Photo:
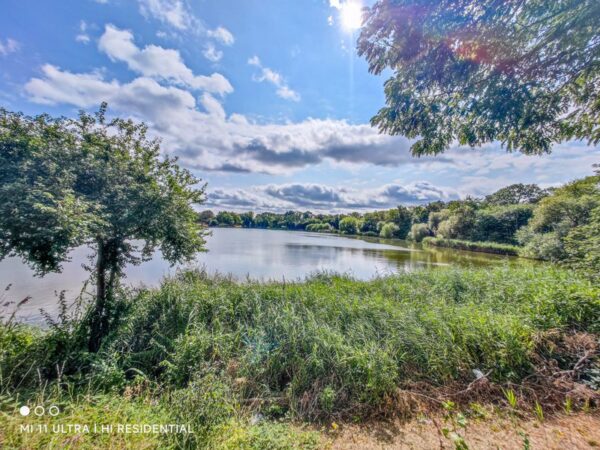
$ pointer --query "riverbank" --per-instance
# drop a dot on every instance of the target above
(268, 364)
(481, 247)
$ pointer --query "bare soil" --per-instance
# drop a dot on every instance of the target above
(564, 432)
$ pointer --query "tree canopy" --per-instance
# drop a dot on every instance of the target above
(516, 194)
(522, 72)
(89, 181)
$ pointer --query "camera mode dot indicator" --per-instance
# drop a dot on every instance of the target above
(24, 410)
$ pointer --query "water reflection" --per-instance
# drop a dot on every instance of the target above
(258, 254)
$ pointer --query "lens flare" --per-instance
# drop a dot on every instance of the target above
(351, 15)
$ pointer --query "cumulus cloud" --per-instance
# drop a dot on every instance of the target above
(222, 35)
(186, 110)
(320, 197)
(141, 96)
(171, 12)
(205, 138)
(57, 86)
(211, 53)
(274, 78)
(157, 62)
(8, 46)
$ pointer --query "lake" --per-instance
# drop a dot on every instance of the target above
(254, 253)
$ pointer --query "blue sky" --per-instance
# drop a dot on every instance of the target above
(266, 100)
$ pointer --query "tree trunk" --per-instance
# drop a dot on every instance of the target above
(97, 319)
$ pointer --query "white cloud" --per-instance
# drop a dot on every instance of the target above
(288, 94)
(83, 37)
(82, 90)
(8, 46)
(321, 197)
(171, 12)
(211, 141)
(275, 78)
(221, 34)
(211, 53)
(157, 62)
(212, 106)
(205, 138)
(335, 4)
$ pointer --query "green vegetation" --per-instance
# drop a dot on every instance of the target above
(485, 247)
(349, 225)
(522, 73)
(215, 353)
(67, 183)
(558, 225)
(388, 230)
(564, 226)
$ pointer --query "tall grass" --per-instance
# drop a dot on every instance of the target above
(483, 247)
(329, 345)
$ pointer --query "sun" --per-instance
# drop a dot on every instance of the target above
(351, 15)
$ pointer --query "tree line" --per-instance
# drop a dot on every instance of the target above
(556, 224)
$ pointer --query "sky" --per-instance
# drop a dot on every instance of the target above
(265, 100)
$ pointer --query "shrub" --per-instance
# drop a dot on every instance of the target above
(419, 231)
(370, 233)
(500, 223)
(349, 225)
(484, 247)
(320, 227)
(388, 230)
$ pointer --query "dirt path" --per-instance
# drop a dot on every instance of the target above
(580, 431)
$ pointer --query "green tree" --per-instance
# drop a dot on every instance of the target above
(516, 194)
(500, 223)
(420, 214)
(247, 219)
(525, 73)
(460, 222)
(388, 230)
(369, 223)
(568, 209)
(419, 231)
(206, 217)
(349, 225)
(228, 219)
(403, 221)
(582, 246)
(66, 183)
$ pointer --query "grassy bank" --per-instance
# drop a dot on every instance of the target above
(236, 359)
(483, 247)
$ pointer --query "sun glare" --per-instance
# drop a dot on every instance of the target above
(351, 15)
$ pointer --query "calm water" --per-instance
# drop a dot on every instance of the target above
(258, 254)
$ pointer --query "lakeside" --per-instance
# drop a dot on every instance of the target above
(249, 363)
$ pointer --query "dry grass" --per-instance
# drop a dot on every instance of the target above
(581, 431)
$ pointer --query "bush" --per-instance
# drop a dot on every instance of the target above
(582, 246)
(563, 226)
(388, 230)
(370, 234)
(349, 225)
(320, 227)
(419, 231)
(499, 224)
(484, 247)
